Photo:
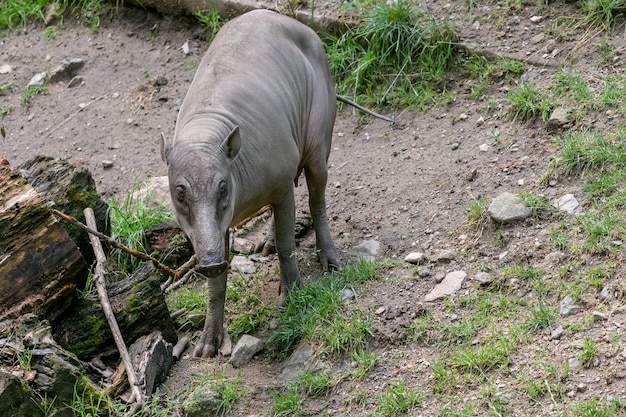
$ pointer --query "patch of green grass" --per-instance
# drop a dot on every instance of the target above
(227, 390)
(15, 13)
(51, 32)
(246, 309)
(588, 351)
(397, 399)
(487, 72)
(584, 150)
(538, 389)
(602, 228)
(443, 378)
(527, 103)
(192, 299)
(603, 13)
(5, 87)
(596, 407)
(32, 91)
(542, 316)
(559, 236)
(476, 211)
(288, 403)
(365, 362)
(316, 312)
(396, 55)
(211, 19)
(315, 384)
(129, 219)
(24, 358)
(567, 82)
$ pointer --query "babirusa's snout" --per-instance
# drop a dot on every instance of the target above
(212, 266)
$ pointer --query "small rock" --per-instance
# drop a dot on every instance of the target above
(185, 48)
(446, 256)
(450, 285)
(557, 333)
(507, 208)
(367, 250)
(347, 296)
(38, 79)
(568, 307)
(380, 310)
(245, 349)
(414, 258)
(5, 69)
(536, 19)
(480, 121)
(484, 278)
(605, 293)
(484, 147)
(574, 363)
(559, 117)
(66, 69)
(569, 204)
(301, 360)
(241, 245)
(107, 163)
(424, 272)
(598, 316)
(242, 265)
(227, 344)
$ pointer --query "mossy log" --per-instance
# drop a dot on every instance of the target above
(40, 265)
(139, 308)
(70, 189)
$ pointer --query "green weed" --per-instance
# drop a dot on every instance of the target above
(211, 19)
(527, 103)
(395, 55)
(476, 211)
(315, 384)
(316, 312)
(129, 219)
(32, 91)
(397, 399)
(588, 351)
(603, 13)
(365, 362)
(227, 390)
(246, 309)
(288, 403)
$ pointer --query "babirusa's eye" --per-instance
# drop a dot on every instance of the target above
(223, 190)
(180, 193)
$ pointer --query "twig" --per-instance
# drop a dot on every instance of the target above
(108, 311)
(78, 111)
(166, 269)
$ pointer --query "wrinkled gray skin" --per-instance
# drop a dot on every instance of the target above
(259, 111)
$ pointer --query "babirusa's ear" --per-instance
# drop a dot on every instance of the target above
(165, 148)
(232, 144)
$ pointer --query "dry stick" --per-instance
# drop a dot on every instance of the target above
(169, 271)
(108, 311)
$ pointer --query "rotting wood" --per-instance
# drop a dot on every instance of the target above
(40, 266)
(99, 272)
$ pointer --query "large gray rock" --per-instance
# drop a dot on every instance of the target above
(507, 208)
(245, 349)
(450, 285)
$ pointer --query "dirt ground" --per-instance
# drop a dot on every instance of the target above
(404, 184)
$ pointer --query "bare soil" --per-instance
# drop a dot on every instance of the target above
(404, 184)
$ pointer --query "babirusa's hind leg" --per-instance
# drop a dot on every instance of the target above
(316, 178)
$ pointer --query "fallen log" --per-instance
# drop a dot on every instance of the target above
(139, 307)
(70, 189)
(40, 265)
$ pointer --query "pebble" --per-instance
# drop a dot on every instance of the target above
(568, 307)
(107, 163)
(450, 285)
(414, 258)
